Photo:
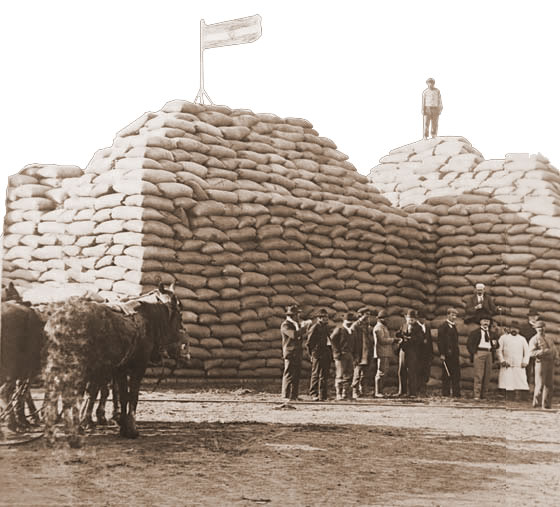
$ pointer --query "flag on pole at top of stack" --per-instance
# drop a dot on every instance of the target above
(229, 33)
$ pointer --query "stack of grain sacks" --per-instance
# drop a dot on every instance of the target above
(496, 222)
(247, 213)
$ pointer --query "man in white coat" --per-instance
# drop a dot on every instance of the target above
(513, 356)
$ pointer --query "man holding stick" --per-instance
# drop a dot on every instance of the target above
(448, 345)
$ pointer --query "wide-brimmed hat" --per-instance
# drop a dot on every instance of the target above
(293, 310)
(514, 324)
(413, 314)
(430, 80)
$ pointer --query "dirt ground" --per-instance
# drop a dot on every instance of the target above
(241, 447)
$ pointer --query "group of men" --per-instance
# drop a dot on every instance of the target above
(362, 344)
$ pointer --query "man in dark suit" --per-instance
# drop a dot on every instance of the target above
(448, 345)
(320, 352)
(425, 353)
(482, 348)
(479, 303)
(410, 339)
(528, 330)
(292, 331)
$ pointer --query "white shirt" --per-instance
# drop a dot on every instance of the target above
(484, 342)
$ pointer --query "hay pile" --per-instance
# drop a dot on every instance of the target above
(496, 221)
(247, 213)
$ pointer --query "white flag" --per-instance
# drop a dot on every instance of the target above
(228, 33)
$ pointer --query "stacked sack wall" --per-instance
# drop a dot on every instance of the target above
(496, 222)
(247, 213)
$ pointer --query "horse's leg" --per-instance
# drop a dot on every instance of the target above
(70, 409)
(122, 383)
(22, 385)
(100, 412)
(86, 419)
(8, 392)
(132, 403)
(50, 412)
(33, 412)
(116, 404)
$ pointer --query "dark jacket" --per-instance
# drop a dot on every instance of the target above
(448, 341)
(344, 342)
(527, 331)
(318, 339)
(292, 339)
(473, 342)
(364, 343)
(411, 338)
(426, 342)
(472, 314)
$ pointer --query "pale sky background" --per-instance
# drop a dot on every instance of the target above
(76, 72)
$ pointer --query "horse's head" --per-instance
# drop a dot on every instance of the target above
(10, 293)
(175, 341)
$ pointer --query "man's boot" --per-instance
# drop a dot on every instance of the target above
(355, 393)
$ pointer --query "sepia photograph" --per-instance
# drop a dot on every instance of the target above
(280, 253)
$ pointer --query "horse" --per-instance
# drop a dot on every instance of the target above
(89, 341)
(21, 341)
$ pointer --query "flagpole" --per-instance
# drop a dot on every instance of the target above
(201, 91)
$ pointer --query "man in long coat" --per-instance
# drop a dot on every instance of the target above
(320, 352)
(448, 346)
(293, 331)
(410, 336)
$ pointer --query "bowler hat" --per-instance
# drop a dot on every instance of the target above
(350, 316)
(514, 324)
(484, 316)
(412, 314)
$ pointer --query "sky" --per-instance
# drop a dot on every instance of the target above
(75, 73)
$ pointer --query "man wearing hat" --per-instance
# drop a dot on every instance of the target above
(448, 345)
(424, 353)
(292, 331)
(319, 350)
(479, 303)
(410, 339)
(431, 107)
(364, 347)
(482, 346)
(345, 351)
(383, 351)
(513, 356)
(542, 348)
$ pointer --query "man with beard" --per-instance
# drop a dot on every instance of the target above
(320, 352)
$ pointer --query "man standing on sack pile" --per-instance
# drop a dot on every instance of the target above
(410, 338)
(319, 349)
(292, 330)
(482, 347)
(448, 345)
(383, 351)
(480, 303)
(513, 356)
(344, 349)
(431, 108)
(364, 348)
(542, 348)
